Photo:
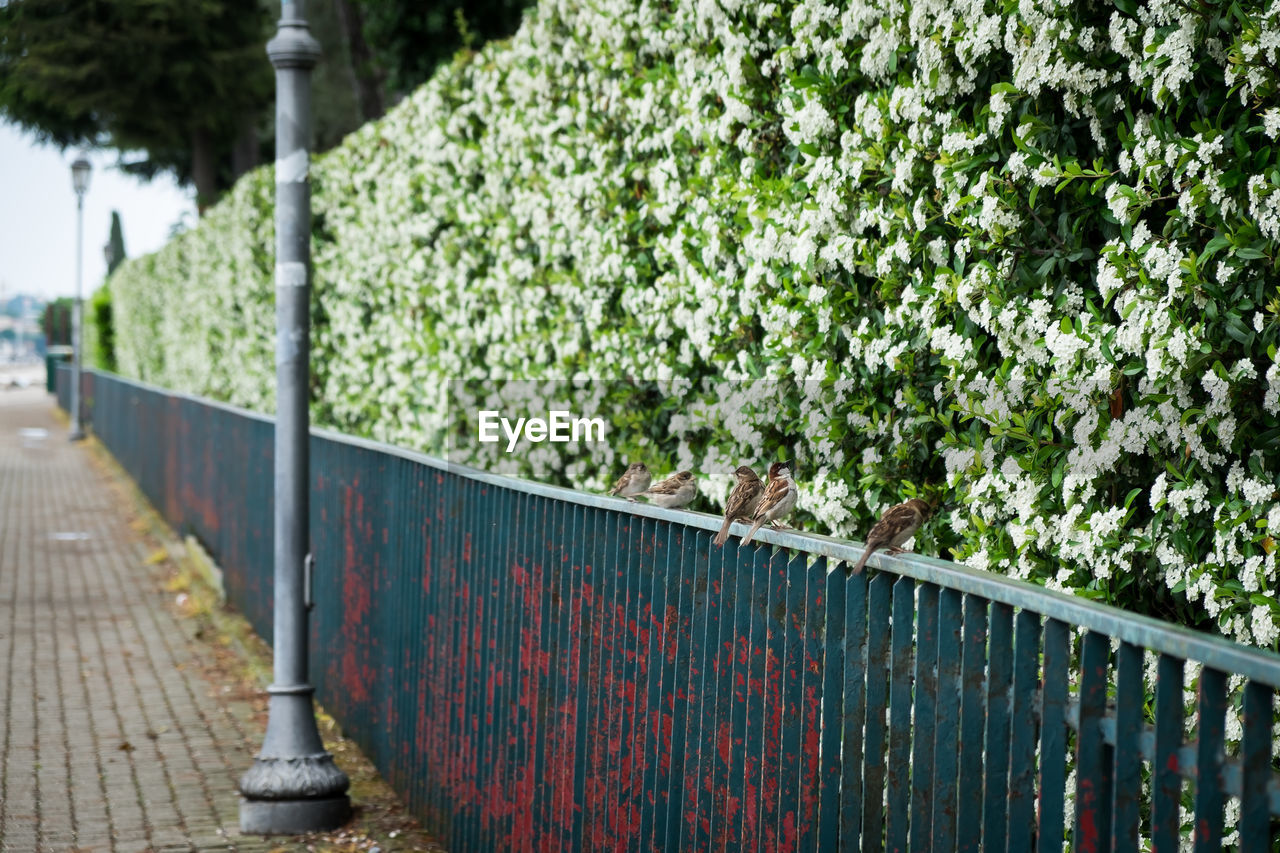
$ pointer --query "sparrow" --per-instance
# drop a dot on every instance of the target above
(743, 501)
(675, 491)
(632, 482)
(778, 500)
(897, 525)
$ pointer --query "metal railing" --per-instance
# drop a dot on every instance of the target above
(62, 388)
(538, 668)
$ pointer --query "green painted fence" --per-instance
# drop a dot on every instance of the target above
(540, 669)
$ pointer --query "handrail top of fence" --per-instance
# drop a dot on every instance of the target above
(1153, 634)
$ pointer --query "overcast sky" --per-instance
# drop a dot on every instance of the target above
(38, 216)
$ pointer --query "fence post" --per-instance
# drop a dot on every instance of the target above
(294, 785)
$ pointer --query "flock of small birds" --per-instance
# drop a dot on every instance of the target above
(759, 503)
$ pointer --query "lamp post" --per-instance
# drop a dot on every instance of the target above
(80, 170)
(294, 785)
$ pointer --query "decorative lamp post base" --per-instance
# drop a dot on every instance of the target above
(290, 796)
(293, 817)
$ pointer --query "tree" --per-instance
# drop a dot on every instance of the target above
(56, 324)
(393, 46)
(185, 81)
(115, 244)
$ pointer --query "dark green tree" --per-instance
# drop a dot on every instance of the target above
(185, 81)
(115, 244)
(57, 322)
(101, 345)
(401, 43)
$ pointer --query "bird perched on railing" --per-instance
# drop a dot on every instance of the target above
(897, 525)
(633, 481)
(779, 498)
(675, 491)
(743, 501)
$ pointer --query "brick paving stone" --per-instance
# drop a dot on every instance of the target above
(110, 739)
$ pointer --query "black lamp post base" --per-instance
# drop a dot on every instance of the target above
(293, 817)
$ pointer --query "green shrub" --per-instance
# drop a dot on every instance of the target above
(1014, 257)
(99, 333)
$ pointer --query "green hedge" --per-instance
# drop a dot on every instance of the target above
(1018, 258)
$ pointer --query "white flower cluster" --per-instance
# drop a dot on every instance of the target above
(1017, 256)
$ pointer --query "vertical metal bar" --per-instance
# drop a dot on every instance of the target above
(396, 616)
(432, 581)
(833, 693)
(667, 754)
(999, 678)
(899, 787)
(606, 582)
(610, 704)
(567, 703)
(445, 672)
(1255, 749)
(924, 720)
(1022, 750)
(427, 654)
(477, 593)
(1093, 765)
(679, 697)
(722, 734)
(626, 812)
(461, 658)
(407, 631)
(731, 838)
(639, 585)
(1166, 778)
(1128, 758)
(1211, 710)
(815, 608)
(589, 663)
(874, 635)
(467, 679)
(755, 745)
(553, 679)
(659, 675)
(546, 663)
(454, 687)
(498, 565)
(531, 673)
(1053, 736)
(947, 734)
(775, 656)
(702, 680)
(514, 769)
(790, 728)
(75, 408)
(973, 715)
(698, 544)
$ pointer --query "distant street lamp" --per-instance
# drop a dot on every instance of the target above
(80, 170)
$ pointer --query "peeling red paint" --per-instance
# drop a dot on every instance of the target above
(1087, 817)
(357, 675)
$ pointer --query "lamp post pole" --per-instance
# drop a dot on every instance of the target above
(294, 786)
(80, 170)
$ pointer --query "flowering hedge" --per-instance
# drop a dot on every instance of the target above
(1013, 257)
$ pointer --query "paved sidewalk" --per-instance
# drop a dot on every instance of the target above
(111, 738)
